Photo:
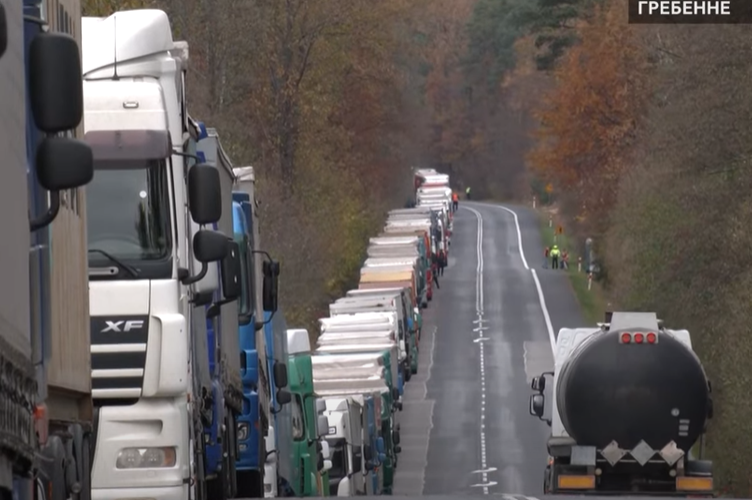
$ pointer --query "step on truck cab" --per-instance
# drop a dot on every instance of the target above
(149, 249)
(223, 317)
(362, 376)
(45, 397)
(310, 451)
(630, 400)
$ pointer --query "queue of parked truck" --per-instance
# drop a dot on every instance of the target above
(143, 354)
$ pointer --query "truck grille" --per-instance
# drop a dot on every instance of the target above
(118, 356)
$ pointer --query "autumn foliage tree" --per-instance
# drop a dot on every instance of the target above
(588, 121)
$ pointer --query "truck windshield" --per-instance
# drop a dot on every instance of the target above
(128, 211)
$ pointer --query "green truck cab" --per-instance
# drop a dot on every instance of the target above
(313, 480)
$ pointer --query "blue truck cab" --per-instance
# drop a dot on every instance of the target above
(249, 465)
(284, 421)
(376, 443)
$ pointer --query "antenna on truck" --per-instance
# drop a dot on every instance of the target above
(114, 48)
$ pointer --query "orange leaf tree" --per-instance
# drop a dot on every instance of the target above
(588, 121)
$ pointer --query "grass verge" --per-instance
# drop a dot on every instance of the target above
(593, 302)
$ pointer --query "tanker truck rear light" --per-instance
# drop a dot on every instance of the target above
(576, 482)
(693, 483)
(638, 338)
(652, 337)
(626, 338)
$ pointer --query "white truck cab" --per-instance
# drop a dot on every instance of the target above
(148, 252)
(346, 442)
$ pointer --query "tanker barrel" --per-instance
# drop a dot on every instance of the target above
(633, 384)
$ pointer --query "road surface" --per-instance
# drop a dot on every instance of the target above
(465, 426)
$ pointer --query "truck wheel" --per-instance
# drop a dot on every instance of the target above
(408, 373)
(250, 484)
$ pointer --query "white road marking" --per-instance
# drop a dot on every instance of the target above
(481, 471)
(541, 297)
(480, 340)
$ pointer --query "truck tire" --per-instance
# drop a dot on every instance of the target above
(408, 372)
(250, 484)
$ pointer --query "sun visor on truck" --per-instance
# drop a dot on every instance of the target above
(129, 145)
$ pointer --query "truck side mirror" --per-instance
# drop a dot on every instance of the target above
(209, 246)
(64, 163)
(322, 426)
(3, 30)
(280, 375)
(270, 285)
(283, 397)
(231, 287)
(538, 384)
(204, 194)
(327, 465)
(56, 88)
(536, 405)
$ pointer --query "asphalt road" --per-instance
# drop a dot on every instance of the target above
(465, 426)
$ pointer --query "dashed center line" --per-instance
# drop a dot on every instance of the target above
(480, 340)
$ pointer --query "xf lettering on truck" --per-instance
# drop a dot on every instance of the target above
(115, 326)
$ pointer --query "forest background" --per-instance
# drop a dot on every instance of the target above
(641, 130)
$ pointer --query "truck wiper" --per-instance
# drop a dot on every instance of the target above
(119, 263)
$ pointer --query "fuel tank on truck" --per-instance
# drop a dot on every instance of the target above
(633, 384)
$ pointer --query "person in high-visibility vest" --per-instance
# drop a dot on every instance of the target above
(467, 192)
(554, 257)
(455, 201)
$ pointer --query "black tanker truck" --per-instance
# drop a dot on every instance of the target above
(630, 401)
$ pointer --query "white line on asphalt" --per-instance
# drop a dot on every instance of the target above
(480, 340)
(519, 235)
(541, 297)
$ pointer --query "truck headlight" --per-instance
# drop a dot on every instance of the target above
(146, 458)
(243, 429)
